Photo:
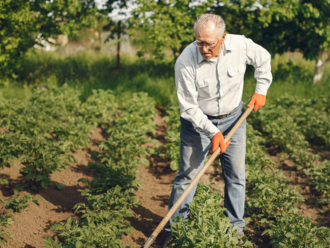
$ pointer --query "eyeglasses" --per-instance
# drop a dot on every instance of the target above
(200, 44)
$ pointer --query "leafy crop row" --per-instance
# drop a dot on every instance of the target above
(283, 133)
(42, 129)
(110, 195)
(290, 124)
(311, 116)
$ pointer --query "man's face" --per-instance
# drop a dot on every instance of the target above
(208, 37)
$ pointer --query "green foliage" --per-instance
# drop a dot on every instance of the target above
(167, 24)
(103, 219)
(50, 244)
(270, 196)
(288, 122)
(110, 195)
(320, 176)
(27, 23)
(103, 234)
(119, 164)
(294, 230)
(4, 181)
(173, 130)
(255, 155)
(19, 204)
(291, 123)
(113, 199)
(99, 107)
(111, 174)
(5, 220)
(271, 23)
(45, 110)
(44, 128)
(204, 228)
(8, 234)
(135, 120)
(16, 17)
(46, 158)
(311, 115)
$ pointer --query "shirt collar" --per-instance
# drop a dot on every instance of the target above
(225, 47)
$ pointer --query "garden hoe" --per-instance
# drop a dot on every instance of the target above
(195, 181)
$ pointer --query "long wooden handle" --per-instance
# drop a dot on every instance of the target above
(195, 181)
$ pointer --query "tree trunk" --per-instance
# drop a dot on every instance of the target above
(319, 66)
(118, 47)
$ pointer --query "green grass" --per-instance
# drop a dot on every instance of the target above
(90, 70)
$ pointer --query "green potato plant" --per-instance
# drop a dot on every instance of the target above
(19, 204)
(294, 230)
(207, 225)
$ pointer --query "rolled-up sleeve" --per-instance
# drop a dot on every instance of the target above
(260, 58)
(187, 96)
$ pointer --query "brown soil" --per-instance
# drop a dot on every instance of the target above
(31, 227)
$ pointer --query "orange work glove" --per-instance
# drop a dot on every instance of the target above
(217, 141)
(257, 100)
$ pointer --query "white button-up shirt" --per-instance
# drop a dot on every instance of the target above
(215, 87)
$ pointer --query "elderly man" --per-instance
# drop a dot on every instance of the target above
(209, 78)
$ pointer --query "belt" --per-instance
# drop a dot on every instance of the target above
(217, 117)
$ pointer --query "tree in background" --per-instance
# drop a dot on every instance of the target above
(283, 25)
(166, 24)
(18, 23)
(23, 23)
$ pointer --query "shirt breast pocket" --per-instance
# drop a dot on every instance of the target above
(203, 85)
(235, 77)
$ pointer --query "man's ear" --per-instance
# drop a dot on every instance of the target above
(223, 36)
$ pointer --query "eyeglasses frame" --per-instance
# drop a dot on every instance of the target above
(207, 46)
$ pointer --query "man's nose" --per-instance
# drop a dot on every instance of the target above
(205, 49)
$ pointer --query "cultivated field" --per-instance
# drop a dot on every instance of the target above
(88, 159)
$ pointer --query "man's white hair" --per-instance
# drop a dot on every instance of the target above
(204, 19)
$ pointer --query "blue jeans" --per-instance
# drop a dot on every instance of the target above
(194, 148)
